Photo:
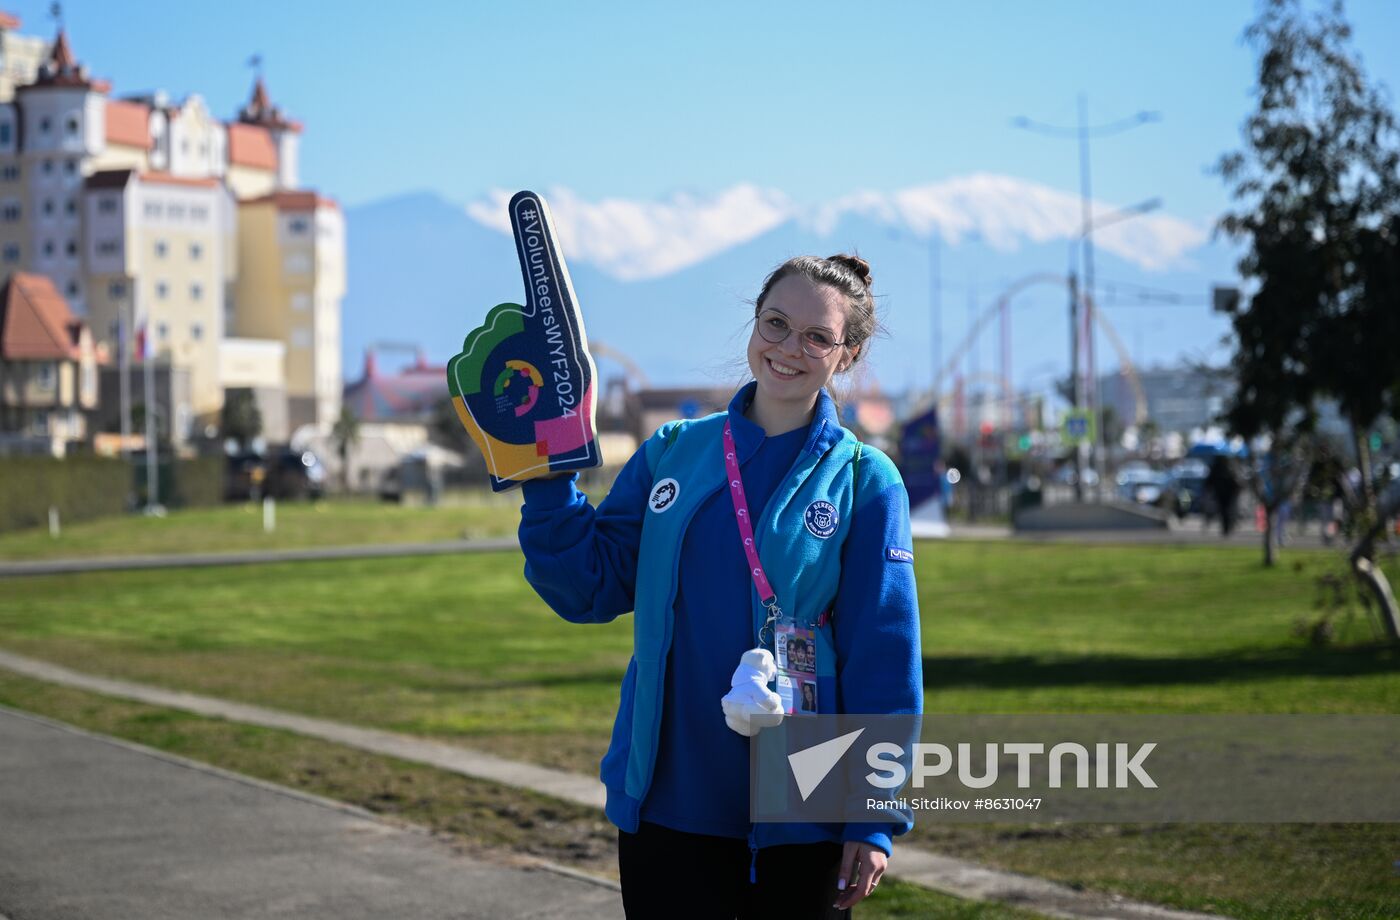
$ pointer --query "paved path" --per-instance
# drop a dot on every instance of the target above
(95, 828)
(941, 873)
(1192, 531)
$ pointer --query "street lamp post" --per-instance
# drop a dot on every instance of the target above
(1090, 309)
(1083, 132)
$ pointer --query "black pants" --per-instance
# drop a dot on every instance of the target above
(668, 873)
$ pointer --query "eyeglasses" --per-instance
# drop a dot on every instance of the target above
(817, 341)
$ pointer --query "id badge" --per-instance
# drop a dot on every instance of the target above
(796, 655)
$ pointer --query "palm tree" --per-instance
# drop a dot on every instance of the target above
(346, 433)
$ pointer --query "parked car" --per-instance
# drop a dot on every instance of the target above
(282, 473)
(244, 475)
(1145, 486)
(295, 474)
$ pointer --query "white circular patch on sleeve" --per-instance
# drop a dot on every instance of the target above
(821, 519)
(663, 495)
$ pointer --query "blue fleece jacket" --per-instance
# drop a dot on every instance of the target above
(583, 562)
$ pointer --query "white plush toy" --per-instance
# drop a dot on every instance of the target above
(750, 705)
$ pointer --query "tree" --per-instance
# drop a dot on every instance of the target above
(1317, 192)
(240, 418)
(346, 434)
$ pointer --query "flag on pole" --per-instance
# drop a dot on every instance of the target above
(141, 342)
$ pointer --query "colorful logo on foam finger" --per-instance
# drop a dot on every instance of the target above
(524, 420)
(518, 387)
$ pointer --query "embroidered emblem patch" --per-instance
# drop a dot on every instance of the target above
(821, 519)
(663, 495)
(895, 554)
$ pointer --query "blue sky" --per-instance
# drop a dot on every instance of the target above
(635, 100)
(668, 133)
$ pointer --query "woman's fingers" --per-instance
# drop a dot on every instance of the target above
(846, 876)
(862, 866)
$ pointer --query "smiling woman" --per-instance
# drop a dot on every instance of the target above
(812, 592)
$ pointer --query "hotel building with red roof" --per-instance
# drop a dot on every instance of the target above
(148, 214)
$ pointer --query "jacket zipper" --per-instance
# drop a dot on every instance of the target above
(753, 858)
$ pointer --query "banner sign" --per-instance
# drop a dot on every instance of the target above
(920, 466)
(523, 384)
(1114, 768)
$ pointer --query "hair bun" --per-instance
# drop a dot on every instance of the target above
(857, 266)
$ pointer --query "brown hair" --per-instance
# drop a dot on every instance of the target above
(850, 276)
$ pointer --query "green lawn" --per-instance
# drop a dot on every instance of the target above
(459, 648)
(227, 528)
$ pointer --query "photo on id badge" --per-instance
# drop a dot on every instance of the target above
(797, 668)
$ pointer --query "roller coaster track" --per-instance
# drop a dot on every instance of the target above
(1003, 303)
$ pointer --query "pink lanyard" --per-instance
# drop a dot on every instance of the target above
(741, 514)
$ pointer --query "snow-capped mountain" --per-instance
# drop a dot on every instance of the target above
(667, 282)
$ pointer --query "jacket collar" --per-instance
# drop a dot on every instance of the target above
(824, 431)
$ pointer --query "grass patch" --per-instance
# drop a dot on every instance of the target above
(478, 817)
(238, 527)
(1246, 871)
(459, 648)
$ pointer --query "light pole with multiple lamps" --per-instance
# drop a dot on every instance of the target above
(1084, 392)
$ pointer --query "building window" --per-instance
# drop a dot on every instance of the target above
(41, 421)
(48, 167)
(72, 125)
(10, 210)
(11, 253)
(297, 263)
(109, 247)
(48, 207)
(198, 212)
(196, 291)
(70, 167)
(161, 249)
(196, 332)
(48, 247)
(72, 289)
(196, 251)
(45, 125)
(161, 290)
(162, 331)
(301, 302)
(176, 211)
(301, 338)
(107, 204)
(6, 133)
(71, 248)
(10, 173)
(70, 207)
(116, 290)
(153, 209)
(297, 226)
